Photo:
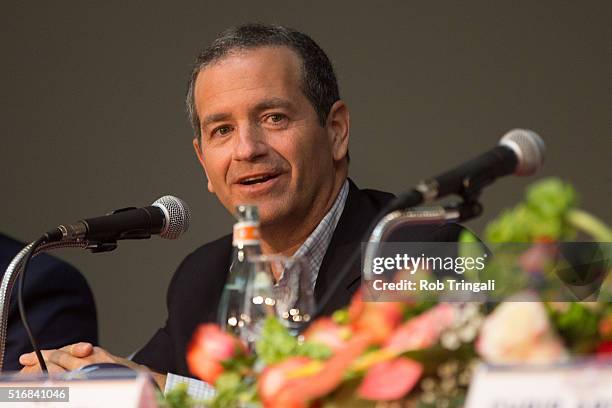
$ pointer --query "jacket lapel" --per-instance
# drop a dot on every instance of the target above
(359, 211)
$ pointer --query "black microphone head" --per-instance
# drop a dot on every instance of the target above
(529, 149)
(177, 216)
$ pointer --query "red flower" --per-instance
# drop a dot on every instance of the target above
(605, 348)
(325, 331)
(390, 380)
(605, 327)
(328, 377)
(209, 347)
(356, 307)
(291, 390)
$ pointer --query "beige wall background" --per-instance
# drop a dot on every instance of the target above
(92, 114)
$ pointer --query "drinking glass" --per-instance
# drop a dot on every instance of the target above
(278, 286)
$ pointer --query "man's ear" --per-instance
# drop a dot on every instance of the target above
(198, 151)
(338, 124)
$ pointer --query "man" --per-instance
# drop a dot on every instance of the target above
(271, 130)
(59, 305)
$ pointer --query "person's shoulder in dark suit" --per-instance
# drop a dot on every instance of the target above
(192, 298)
(59, 305)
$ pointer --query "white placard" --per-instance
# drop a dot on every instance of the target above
(135, 392)
(586, 384)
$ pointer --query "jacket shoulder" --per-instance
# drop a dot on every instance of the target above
(377, 197)
(207, 253)
(200, 278)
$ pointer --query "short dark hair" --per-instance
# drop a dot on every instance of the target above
(319, 82)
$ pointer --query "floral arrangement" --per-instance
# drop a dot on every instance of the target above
(414, 353)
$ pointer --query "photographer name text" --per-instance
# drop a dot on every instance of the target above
(453, 285)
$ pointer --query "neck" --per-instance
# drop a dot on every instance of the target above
(286, 237)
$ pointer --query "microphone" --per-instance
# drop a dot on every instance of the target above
(519, 152)
(168, 216)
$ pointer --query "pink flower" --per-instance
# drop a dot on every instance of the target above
(390, 380)
(422, 331)
(325, 331)
(519, 333)
(209, 347)
(275, 378)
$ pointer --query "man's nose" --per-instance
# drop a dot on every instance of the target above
(250, 143)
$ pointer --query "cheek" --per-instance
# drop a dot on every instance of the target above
(216, 171)
(307, 150)
(216, 167)
(316, 158)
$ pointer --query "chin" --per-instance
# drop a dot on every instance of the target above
(270, 214)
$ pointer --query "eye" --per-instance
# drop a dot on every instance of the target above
(222, 130)
(275, 118)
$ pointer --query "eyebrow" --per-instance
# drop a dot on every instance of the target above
(215, 117)
(274, 103)
(270, 103)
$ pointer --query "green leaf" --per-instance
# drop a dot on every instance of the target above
(315, 351)
(176, 398)
(551, 198)
(233, 391)
(341, 316)
(227, 382)
(416, 309)
(542, 214)
(577, 324)
(275, 343)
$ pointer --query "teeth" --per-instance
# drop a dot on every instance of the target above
(254, 180)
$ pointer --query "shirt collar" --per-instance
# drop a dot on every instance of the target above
(314, 248)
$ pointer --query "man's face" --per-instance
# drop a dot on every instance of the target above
(261, 140)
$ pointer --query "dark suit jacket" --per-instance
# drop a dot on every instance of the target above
(59, 305)
(195, 289)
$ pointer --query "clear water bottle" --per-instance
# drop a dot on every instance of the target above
(246, 243)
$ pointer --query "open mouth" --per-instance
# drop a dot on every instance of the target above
(257, 180)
